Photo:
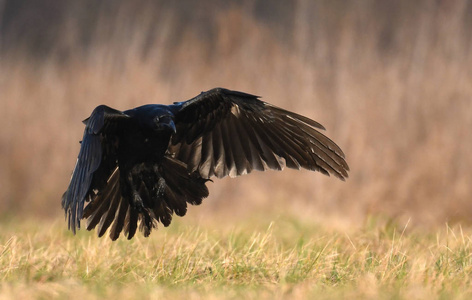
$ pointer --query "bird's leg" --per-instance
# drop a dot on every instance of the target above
(132, 191)
(160, 184)
(142, 196)
(137, 201)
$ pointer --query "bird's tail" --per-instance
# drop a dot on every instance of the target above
(177, 188)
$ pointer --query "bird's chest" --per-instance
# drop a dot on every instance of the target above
(138, 146)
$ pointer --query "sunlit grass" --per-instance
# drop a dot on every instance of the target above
(254, 259)
(392, 87)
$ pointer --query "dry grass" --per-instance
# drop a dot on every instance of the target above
(283, 259)
(390, 80)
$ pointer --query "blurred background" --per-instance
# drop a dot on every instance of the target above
(390, 80)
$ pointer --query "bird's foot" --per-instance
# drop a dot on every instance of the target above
(138, 203)
(161, 187)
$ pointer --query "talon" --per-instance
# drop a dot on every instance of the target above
(161, 186)
(138, 202)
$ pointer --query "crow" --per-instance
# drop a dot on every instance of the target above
(140, 166)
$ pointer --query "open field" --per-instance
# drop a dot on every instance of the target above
(273, 257)
(390, 80)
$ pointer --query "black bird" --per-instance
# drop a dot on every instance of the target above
(142, 165)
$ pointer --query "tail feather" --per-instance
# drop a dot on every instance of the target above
(190, 187)
(162, 213)
(109, 216)
(119, 221)
(179, 187)
(146, 224)
(101, 203)
(177, 203)
(131, 222)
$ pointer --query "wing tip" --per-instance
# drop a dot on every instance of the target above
(221, 90)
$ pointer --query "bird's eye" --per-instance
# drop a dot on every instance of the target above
(156, 120)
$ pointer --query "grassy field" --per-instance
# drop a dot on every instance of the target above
(273, 257)
(390, 80)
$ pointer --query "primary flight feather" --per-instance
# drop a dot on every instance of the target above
(140, 166)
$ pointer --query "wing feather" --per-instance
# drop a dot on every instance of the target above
(227, 133)
(119, 221)
(206, 165)
(90, 159)
(100, 204)
(241, 159)
(228, 147)
(109, 215)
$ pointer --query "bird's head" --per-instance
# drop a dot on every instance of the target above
(155, 117)
(164, 123)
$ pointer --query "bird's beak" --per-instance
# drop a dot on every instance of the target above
(171, 125)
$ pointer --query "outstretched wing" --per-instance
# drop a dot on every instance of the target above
(223, 132)
(93, 158)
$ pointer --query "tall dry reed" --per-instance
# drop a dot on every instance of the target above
(391, 82)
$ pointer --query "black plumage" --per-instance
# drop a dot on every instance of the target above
(139, 167)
